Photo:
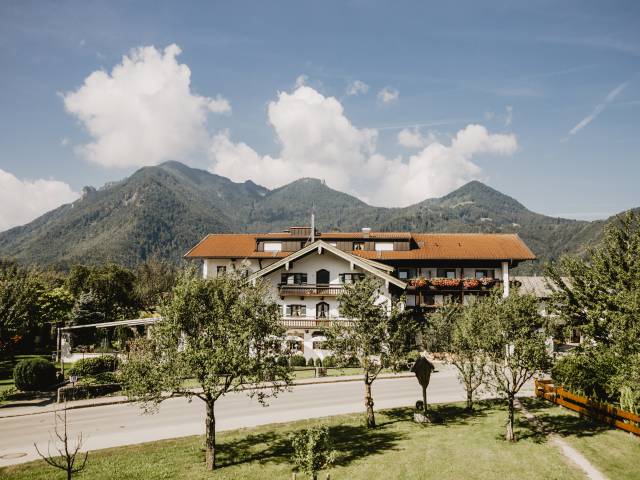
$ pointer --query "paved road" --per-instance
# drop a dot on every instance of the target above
(115, 425)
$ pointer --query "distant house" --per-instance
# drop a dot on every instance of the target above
(307, 270)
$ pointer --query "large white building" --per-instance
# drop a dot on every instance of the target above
(307, 270)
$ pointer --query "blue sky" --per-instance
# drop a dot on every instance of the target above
(540, 100)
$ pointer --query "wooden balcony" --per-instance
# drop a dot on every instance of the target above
(310, 322)
(308, 290)
(454, 284)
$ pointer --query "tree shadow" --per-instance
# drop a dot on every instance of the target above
(352, 442)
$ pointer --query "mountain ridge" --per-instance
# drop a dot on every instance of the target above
(162, 211)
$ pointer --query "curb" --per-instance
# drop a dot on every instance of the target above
(126, 400)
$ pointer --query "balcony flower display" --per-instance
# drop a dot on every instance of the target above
(418, 282)
(487, 282)
(471, 283)
(446, 282)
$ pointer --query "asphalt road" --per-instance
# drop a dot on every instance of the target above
(124, 424)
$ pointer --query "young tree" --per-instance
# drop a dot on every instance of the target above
(67, 453)
(312, 450)
(224, 332)
(457, 330)
(379, 334)
(154, 281)
(514, 341)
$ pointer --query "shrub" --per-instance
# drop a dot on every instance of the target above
(103, 378)
(34, 375)
(587, 373)
(298, 361)
(310, 362)
(329, 361)
(94, 365)
(317, 362)
(312, 450)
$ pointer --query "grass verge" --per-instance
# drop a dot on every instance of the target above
(466, 446)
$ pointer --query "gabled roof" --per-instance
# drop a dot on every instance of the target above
(364, 264)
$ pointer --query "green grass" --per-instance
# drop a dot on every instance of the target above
(614, 452)
(464, 446)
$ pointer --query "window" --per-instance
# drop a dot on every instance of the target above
(294, 278)
(358, 245)
(322, 277)
(484, 274)
(405, 273)
(272, 246)
(350, 277)
(221, 270)
(384, 246)
(322, 310)
(318, 345)
(296, 310)
(447, 272)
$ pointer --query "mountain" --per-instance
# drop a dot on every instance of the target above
(164, 210)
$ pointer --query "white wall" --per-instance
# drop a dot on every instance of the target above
(209, 266)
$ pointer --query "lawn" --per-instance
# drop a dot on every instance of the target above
(464, 446)
(614, 452)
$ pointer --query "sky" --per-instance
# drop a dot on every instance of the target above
(393, 102)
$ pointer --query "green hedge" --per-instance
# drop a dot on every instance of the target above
(94, 365)
(34, 375)
(298, 361)
(79, 392)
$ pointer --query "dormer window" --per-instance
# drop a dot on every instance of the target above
(358, 245)
(384, 246)
(272, 246)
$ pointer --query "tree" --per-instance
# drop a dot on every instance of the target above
(378, 334)
(67, 454)
(87, 310)
(154, 280)
(457, 330)
(600, 294)
(514, 341)
(312, 450)
(224, 332)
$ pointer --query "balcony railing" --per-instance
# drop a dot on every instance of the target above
(309, 290)
(311, 322)
(443, 284)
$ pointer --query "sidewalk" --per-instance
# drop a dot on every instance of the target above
(19, 411)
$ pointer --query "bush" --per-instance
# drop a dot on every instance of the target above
(588, 373)
(34, 375)
(94, 365)
(103, 378)
(312, 450)
(79, 392)
(329, 361)
(310, 363)
(317, 362)
(298, 361)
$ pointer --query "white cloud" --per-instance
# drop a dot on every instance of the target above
(64, 141)
(318, 140)
(357, 87)
(388, 95)
(413, 138)
(23, 200)
(143, 112)
(611, 96)
(508, 118)
(301, 80)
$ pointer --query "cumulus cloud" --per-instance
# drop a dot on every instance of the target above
(413, 138)
(24, 200)
(357, 87)
(143, 112)
(317, 140)
(388, 95)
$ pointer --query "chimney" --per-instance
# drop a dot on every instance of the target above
(366, 231)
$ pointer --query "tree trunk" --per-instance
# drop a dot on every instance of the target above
(210, 440)
(368, 402)
(511, 437)
(469, 399)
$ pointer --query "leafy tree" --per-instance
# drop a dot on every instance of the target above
(514, 342)
(600, 294)
(457, 330)
(224, 332)
(378, 335)
(312, 450)
(112, 286)
(154, 280)
(87, 310)
(19, 291)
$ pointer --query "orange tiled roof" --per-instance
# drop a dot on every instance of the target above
(430, 246)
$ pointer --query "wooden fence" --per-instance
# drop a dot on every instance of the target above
(621, 419)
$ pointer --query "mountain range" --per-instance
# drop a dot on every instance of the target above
(162, 211)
